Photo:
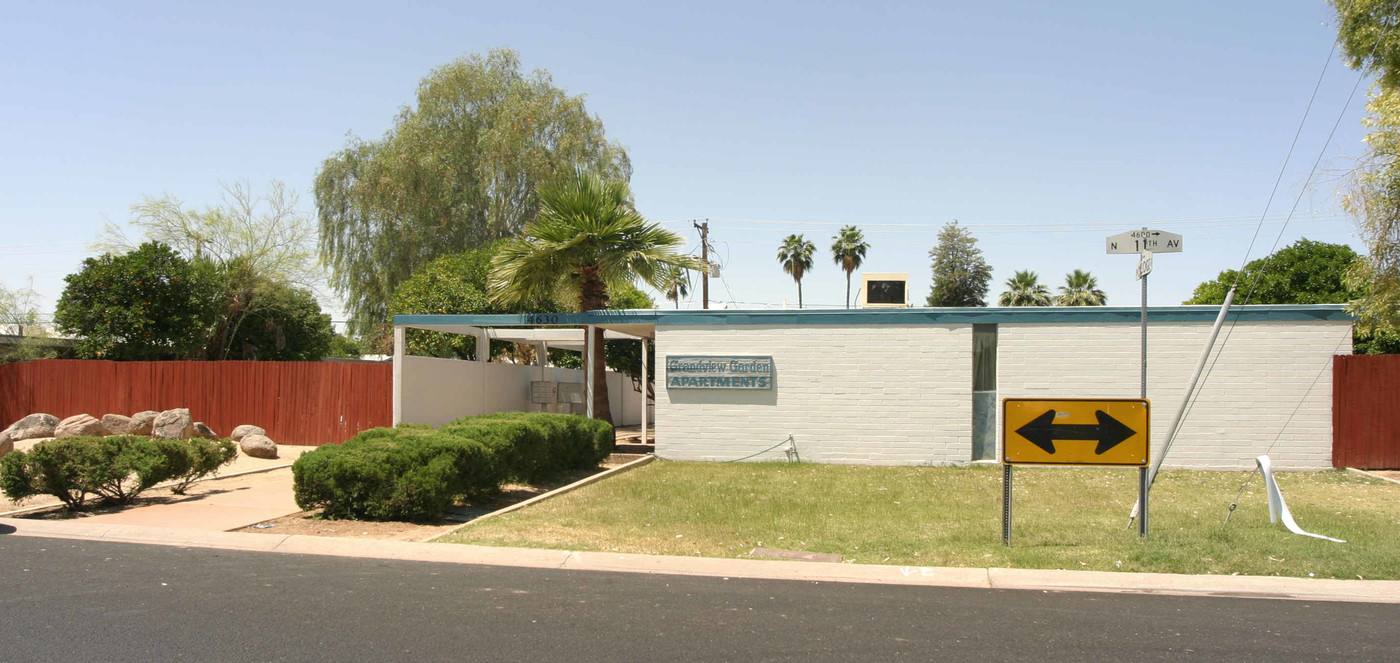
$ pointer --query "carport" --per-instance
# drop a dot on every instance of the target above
(570, 331)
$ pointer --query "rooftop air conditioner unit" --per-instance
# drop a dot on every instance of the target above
(884, 290)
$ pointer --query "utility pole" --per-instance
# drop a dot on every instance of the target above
(705, 258)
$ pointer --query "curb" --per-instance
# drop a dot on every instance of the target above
(1373, 475)
(544, 496)
(1259, 587)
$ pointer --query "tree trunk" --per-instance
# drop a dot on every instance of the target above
(593, 296)
(848, 289)
(799, 294)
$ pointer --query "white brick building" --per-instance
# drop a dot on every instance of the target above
(896, 387)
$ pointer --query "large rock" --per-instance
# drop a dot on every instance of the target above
(32, 426)
(258, 446)
(245, 430)
(142, 422)
(173, 425)
(203, 430)
(79, 425)
(6, 444)
(116, 424)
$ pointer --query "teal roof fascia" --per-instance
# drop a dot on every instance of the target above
(907, 316)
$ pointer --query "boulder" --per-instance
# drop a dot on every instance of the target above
(173, 425)
(142, 422)
(116, 424)
(258, 446)
(32, 426)
(203, 430)
(245, 430)
(79, 424)
(6, 445)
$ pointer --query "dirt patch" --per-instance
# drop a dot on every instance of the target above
(1389, 474)
(310, 523)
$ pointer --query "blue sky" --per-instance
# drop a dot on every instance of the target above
(1044, 127)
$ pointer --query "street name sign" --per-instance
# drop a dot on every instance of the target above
(1137, 241)
(1075, 431)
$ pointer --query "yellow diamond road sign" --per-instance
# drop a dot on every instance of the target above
(1075, 431)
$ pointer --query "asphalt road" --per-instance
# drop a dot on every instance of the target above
(66, 600)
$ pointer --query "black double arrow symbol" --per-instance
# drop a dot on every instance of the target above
(1043, 431)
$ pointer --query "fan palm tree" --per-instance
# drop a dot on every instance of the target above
(586, 239)
(1080, 289)
(1025, 289)
(795, 255)
(675, 284)
(848, 249)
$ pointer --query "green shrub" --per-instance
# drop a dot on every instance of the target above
(413, 472)
(196, 458)
(116, 468)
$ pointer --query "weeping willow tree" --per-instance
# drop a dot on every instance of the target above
(458, 170)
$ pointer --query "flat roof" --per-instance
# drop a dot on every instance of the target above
(903, 316)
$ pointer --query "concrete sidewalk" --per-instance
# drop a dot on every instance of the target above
(1371, 591)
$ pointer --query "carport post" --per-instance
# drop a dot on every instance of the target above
(398, 374)
(542, 357)
(644, 390)
(588, 370)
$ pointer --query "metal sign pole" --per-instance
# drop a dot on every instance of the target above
(1142, 498)
(1006, 504)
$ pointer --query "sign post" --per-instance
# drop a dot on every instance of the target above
(1075, 432)
(1145, 243)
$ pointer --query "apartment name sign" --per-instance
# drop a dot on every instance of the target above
(719, 372)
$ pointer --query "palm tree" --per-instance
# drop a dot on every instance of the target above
(1025, 289)
(1080, 289)
(585, 239)
(795, 255)
(675, 283)
(848, 249)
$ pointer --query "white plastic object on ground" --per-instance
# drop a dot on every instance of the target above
(1278, 507)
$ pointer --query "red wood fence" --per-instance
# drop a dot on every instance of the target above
(310, 403)
(1366, 411)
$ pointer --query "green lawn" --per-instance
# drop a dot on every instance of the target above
(1065, 518)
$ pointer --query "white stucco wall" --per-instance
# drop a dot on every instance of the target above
(436, 391)
(901, 394)
(868, 394)
(1265, 374)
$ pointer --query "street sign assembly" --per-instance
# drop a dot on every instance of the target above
(1112, 431)
(1137, 241)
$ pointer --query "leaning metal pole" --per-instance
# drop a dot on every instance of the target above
(1185, 400)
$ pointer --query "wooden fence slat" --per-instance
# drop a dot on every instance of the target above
(309, 403)
(1366, 411)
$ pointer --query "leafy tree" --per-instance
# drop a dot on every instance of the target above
(1305, 272)
(1025, 289)
(1080, 289)
(287, 325)
(456, 283)
(1370, 41)
(19, 316)
(795, 255)
(148, 304)
(586, 241)
(458, 170)
(344, 347)
(624, 354)
(263, 251)
(960, 275)
(848, 249)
